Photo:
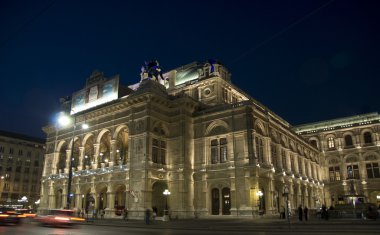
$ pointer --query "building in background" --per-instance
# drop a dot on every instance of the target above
(21, 164)
(350, 151)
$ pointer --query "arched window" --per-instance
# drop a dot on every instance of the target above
(331, 142)
(334, 173)
(367, 137)
(348, 141)
(218, 150)
(260, 149)
(353, 171)
(314, 143)
(373, 170)
(158, 151)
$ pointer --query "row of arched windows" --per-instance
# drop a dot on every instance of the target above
(86, 158)
(348, 141)
(353, 169)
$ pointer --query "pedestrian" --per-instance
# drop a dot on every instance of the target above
(325, 213)
(305, 212)
(125, 214)
(82, 213)
(102, 212)
(147, 216)
(300, 213)
(282, 213)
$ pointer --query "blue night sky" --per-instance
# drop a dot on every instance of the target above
(307, 61)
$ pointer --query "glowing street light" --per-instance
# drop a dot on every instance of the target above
(260, 194)
(166, 194)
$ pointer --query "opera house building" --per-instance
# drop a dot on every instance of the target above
(189, 143)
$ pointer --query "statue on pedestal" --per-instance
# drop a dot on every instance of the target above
(152, 70)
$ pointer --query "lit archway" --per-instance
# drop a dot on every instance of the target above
(158, 198)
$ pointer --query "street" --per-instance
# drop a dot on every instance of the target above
(222, 226)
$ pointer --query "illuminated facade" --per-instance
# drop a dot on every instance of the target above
(351, 154)
(216, 149)
(21, 164)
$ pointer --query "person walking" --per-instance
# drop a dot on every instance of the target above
(300, 212)
(125, 214)
(147, 216)
(305, 213)
(282, 213)
(102, 212)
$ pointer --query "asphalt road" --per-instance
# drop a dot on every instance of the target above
(200, 227)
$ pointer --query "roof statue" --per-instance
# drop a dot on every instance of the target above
(212, 62)
(152, 71)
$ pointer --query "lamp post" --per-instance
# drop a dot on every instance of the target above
(82, 202)
(70, 169)
(65, 120)
(286, 194)
(260, 194)
(166, 214)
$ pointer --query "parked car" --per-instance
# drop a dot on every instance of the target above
(59, 218)
(10, 216)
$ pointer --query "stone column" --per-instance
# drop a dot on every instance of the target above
(267, 152)
(279, 160)
(96, 156)
(64, 197)
(270, 195)
(291, 196)
(203, 200)
(255, 187)
(254, 148)
(287, 157)
(68, 155)
(233, 195)
(51, 195)
(110, 211)
(54, 164)
(81, 156)
(113, 152)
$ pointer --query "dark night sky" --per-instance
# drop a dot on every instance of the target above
(307, 61)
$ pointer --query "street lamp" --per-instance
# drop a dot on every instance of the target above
(166, 194)
(260, 194)
(65, 120)
(82, 202)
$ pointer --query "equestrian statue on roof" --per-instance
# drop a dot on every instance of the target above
(151, 70)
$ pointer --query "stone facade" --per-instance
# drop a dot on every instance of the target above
(350, 157)
(216, 149)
